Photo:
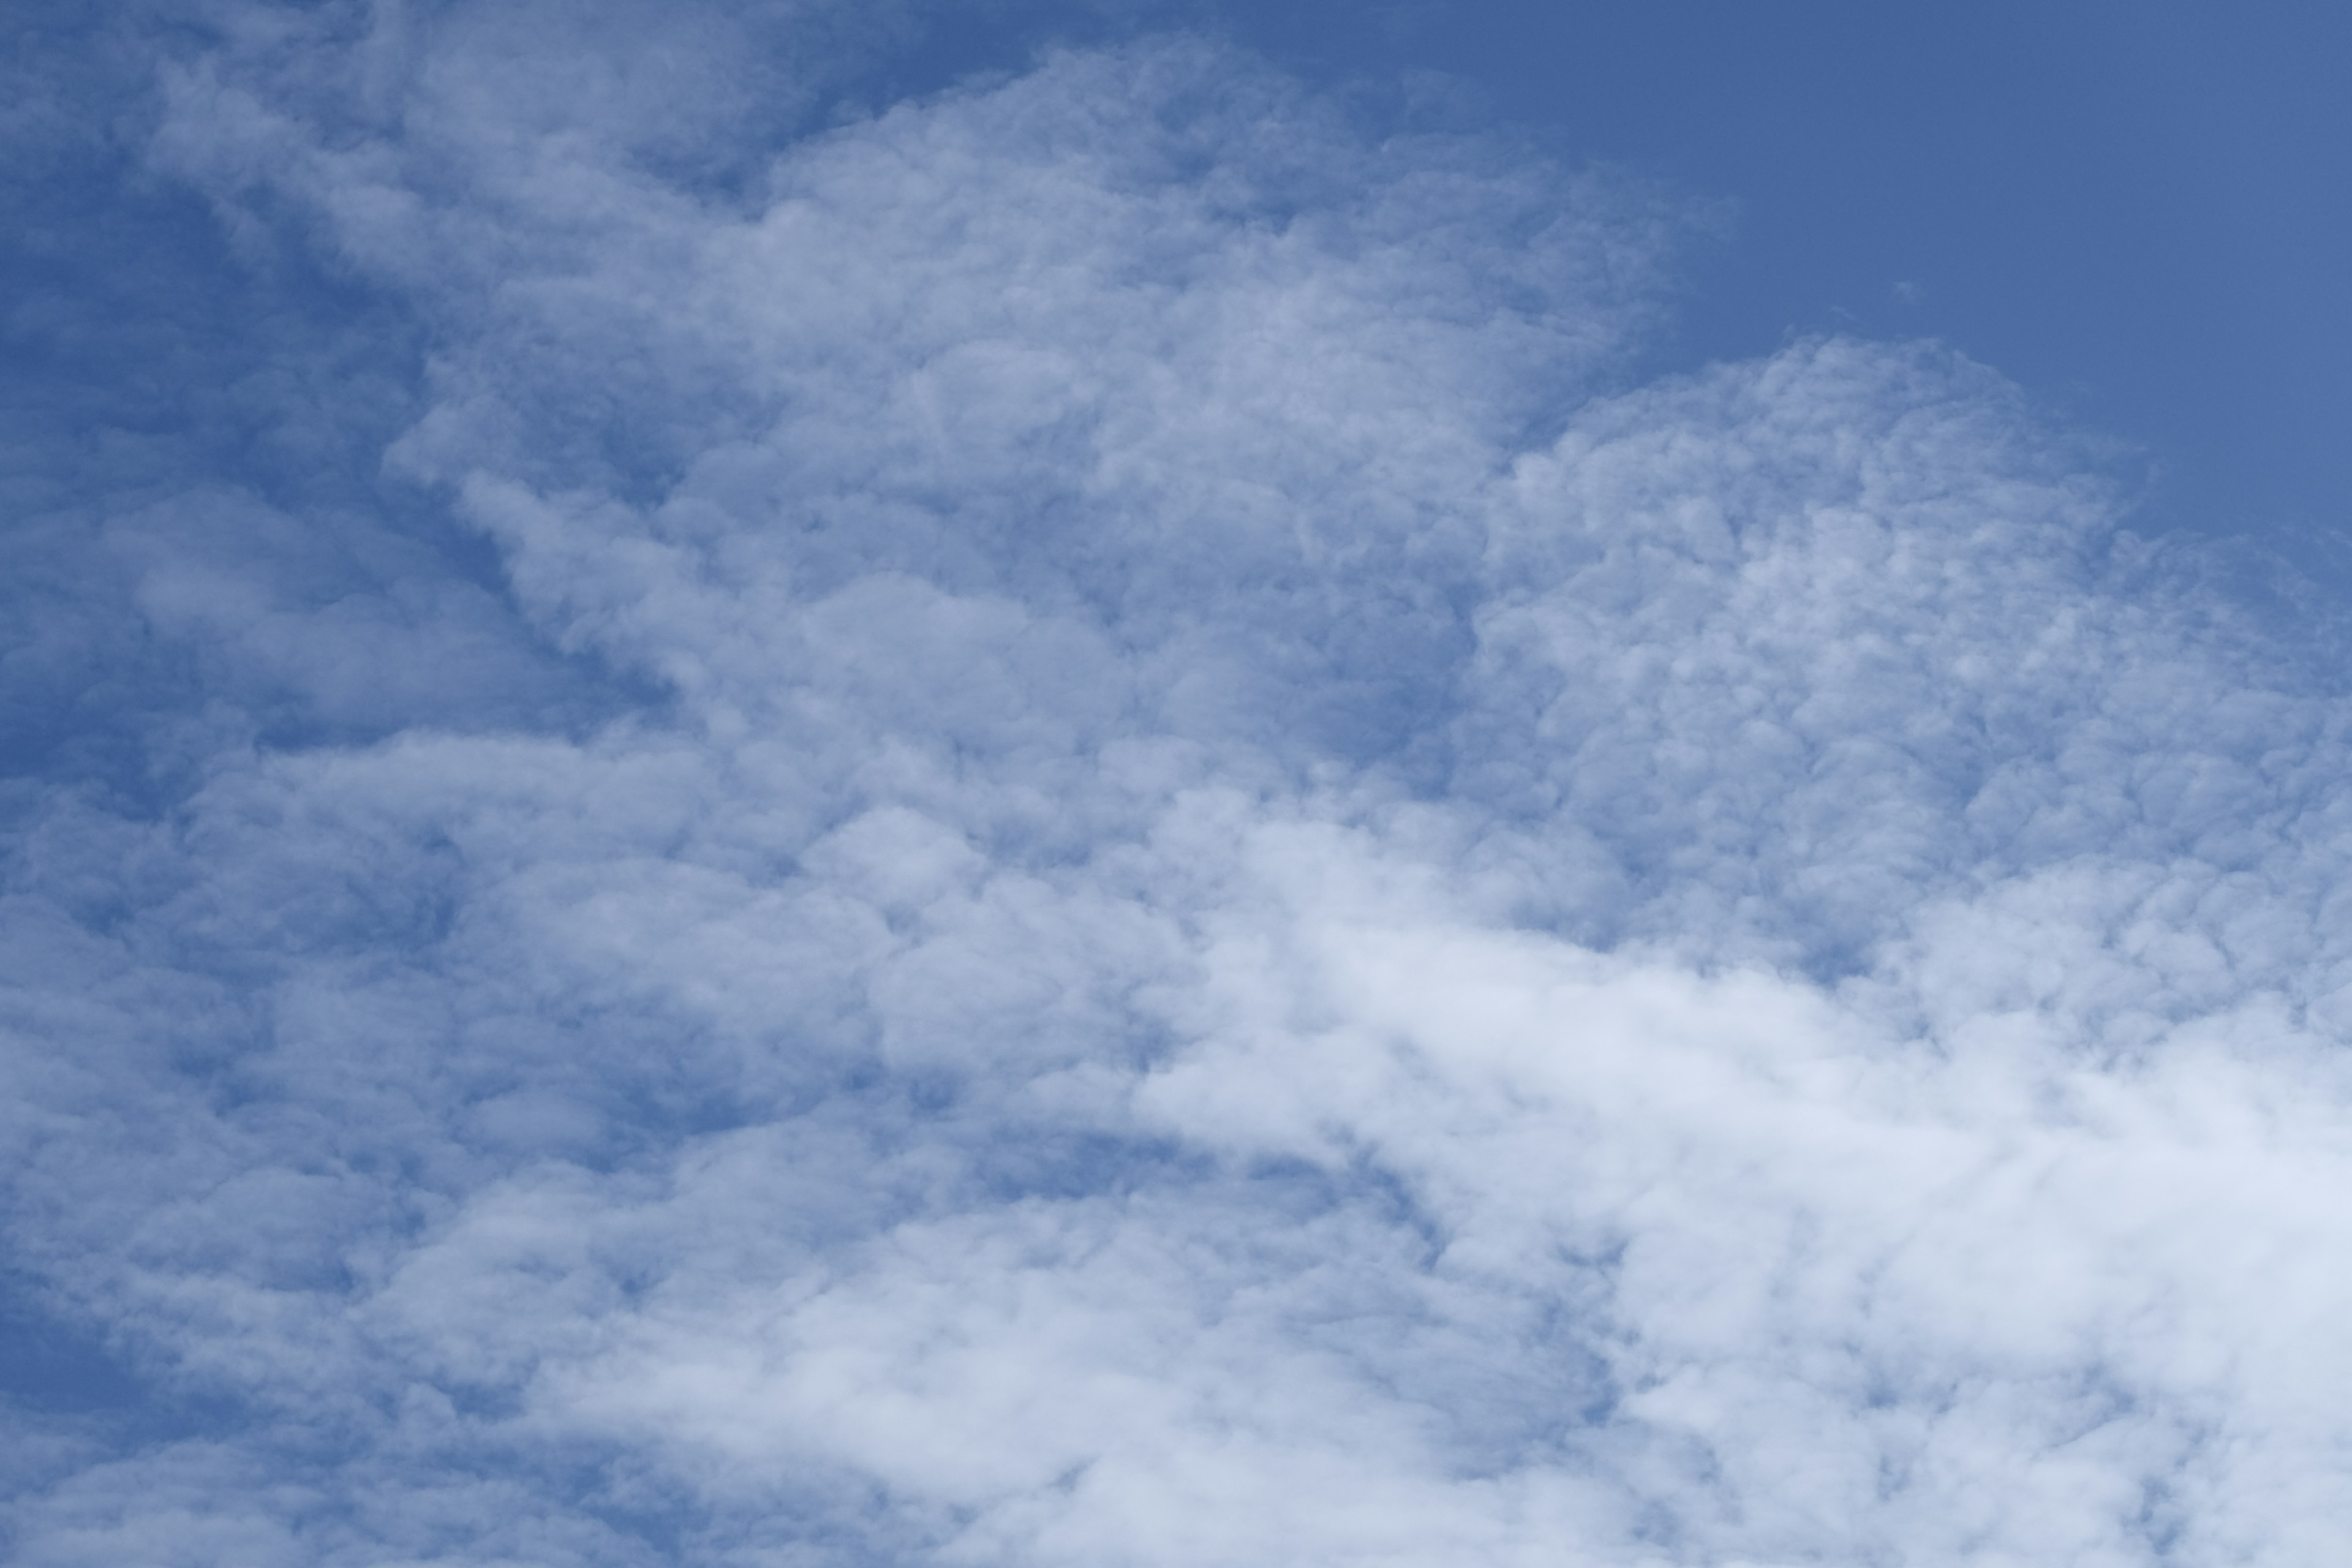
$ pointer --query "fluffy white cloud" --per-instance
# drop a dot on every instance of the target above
(1129, 868)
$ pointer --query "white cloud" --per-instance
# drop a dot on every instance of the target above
(1239, 913)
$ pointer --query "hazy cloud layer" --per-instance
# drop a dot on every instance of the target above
(1046, 828)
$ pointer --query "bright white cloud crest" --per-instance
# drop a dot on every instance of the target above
(1218, 918)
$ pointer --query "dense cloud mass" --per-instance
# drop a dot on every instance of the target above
(1049, 826)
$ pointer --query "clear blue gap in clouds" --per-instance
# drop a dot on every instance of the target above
(2138, 211)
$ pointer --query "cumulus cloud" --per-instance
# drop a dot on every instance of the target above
(1055, 826)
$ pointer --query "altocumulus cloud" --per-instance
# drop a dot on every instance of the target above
(1121, 864)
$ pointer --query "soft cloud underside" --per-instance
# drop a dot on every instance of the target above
(1121, 870)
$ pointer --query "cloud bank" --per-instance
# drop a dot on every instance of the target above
(1052, 827)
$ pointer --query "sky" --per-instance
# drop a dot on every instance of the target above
(815, 785)
(2133, 210)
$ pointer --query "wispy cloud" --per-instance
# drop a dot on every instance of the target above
(1125, 863)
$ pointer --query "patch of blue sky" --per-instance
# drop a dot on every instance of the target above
(2128, 208)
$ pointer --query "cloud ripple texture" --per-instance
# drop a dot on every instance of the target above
(1057, 825)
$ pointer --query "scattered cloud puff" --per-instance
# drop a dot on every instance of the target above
(1120, 859)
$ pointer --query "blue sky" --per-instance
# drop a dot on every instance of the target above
(2130, 209)
(842, 785)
